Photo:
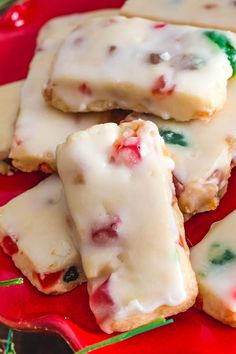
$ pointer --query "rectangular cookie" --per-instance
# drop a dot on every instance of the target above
(9, 106)
(204, 154)
(40, 128)
(203, 13)
(214, 261)
(36, 231)
(144, 66)
(118, 185)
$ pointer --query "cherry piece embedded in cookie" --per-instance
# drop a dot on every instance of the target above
(159, 25)
(48, 280)
(127, 151)
(101, 301)
(181, 241)
(45, 168)
(160, 87)
(107, 231)
(9, 246)
(84, 89)
(179, 188)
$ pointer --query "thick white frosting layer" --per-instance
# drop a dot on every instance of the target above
(167, 70)
(118, 185)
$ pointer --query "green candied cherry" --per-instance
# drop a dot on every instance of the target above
(173, 138)
(224, 43)
(218, 255)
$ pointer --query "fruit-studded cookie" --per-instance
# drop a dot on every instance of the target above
(204, 154)
(214, 261)
(39, 127)
(141, 65)
(36, 231)
(204, 13)
(118, 185)
(9, 106)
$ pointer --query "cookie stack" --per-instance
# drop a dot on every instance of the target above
(122, 109)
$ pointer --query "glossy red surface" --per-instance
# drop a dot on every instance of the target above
(23, 307)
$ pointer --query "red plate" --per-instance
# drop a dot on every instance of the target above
(23, 307)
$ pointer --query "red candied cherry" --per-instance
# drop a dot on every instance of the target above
(9, 246)
(17, 141)
(85, 89)
(181, 241)
(160, 87)
(48, 280)
(101, 301)
(45, 168)
(233, 294)
(127, 151)
(159, 25)
(107, 231)
(179, 188)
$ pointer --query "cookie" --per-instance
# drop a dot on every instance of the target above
(40, 128)
(171, 71)
(118, 185)
(36, 231)
(214, 261)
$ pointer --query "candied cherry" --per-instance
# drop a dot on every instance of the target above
(45, 168)
(9, 246)
(101, 301)
(181, 241)
(107, 231)
(233, 294)
(160, 87)
(159, 25)
(127, 151)
(179, 188)
(48, 280)
(85, 89)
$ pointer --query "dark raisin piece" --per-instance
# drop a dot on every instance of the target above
(210, 6)
(154, 58)
(112, 48)
(72, 274)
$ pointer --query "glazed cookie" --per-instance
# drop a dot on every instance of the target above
(9, 106)
(214, 261)
(203, 13)
(144, 66)
(118, 184)
(36, 231)
(39, 127)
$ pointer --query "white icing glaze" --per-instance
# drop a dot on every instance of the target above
(40, 128)
(203, 13)
(117, 193)
(55, 30)
(36, 219)
(218, 279)
(9, 106)
(127, 77)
